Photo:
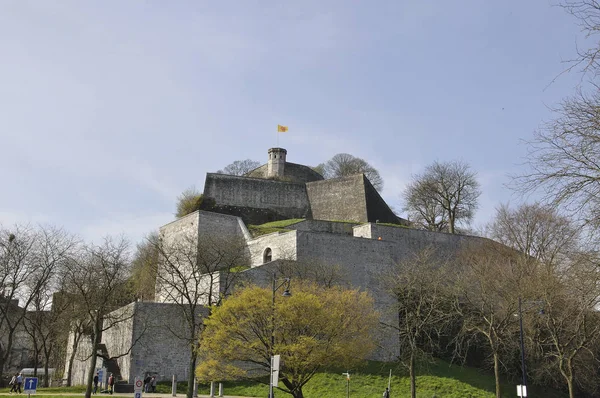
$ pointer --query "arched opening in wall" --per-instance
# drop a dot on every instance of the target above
(267, 255)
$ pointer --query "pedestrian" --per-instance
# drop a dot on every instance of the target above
(95, 384)
(153, 383)
(19, 383)
(147, 383)
(386, 393)
(111, 383)
(13, 383)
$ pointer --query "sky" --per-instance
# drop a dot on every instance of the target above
(110, 109)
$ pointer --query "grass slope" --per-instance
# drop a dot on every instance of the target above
(439, 379)
(270, 227)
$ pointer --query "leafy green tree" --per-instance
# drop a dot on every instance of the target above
(191, 200)
(144, 268)
(313, 329)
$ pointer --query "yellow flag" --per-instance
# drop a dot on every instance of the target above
(282, 129)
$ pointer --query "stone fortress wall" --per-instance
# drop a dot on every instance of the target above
(339, 228)
(250, 198)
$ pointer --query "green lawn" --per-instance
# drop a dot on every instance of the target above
(270, 227)
(439, 380)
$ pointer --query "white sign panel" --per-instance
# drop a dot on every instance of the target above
(138, 384)
(521, 391)
(275, 375)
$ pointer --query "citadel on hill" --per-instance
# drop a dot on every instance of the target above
(342, 222)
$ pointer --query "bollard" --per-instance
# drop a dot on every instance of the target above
(212, 389)
(195, 388)
(174, 386)
(220, 389)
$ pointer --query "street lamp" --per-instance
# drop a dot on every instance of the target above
(286, 293)
(522, 390)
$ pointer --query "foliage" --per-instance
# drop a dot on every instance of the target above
(195, 273)
(344, 164)
(240, 167)
(313, 329)
(144, 267)
(443, 196)
(191, 200)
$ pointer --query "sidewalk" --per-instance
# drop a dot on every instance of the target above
(156, 395)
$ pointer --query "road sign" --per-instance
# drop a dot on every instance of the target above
(137, 395)
(30, 385)
(137, 386)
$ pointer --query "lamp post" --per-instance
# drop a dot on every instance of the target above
(522, 390)
(524, 385)
(286, 293)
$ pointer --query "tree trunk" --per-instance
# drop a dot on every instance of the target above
(191, 375)
(92, 366)
(413, 378)
(297, 394)
(497, 375)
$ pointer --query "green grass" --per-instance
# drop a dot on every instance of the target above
(388, 224)
(438, 379)
(270, 227)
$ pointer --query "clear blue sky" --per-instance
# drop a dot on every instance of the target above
(109, 109)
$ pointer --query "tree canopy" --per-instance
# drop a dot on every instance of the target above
(314, 328)
(344, 164)
(239, 167)
(444, 196)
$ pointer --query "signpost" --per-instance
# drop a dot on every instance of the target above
(30, 385)
(275, 375)
(138, 384)
(521, 390)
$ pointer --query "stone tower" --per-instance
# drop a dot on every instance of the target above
(276, 164)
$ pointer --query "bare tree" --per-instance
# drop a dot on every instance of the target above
(97, 277)
(564, 159)
(587, 13)
(569, 329)
(423, 208)
(344, 164)
(490, 280)
(422, 307)
(240, 167)
(29, 259)
(196, 273)
(536, 230)
(446, 193)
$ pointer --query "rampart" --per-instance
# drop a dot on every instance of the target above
(257, 200)
(340, 199)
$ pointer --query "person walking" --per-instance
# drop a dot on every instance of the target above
(153, 383)
(386, 393)
(13, 383)
(111, 383)
(147, 383)
(19, 383)
(95, 384)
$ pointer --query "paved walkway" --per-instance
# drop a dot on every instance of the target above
(154, 395)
